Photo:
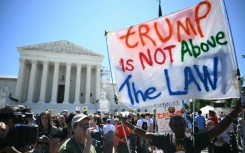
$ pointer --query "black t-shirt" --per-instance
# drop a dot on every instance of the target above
(167, 143)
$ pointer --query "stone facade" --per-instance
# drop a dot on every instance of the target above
(7, 86)
(60, 76)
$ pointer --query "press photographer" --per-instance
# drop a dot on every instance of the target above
(46, 132)
(15, 136)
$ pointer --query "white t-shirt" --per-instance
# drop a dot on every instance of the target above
(151, 122)
(108, 127)
(140, 123)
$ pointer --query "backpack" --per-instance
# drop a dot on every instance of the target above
(109, 136)
(144, 125)
(97, 134)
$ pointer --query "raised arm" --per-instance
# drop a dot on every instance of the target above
(136, 130)
(224, 124)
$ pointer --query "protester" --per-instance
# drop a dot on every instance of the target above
(116, 123)
(188, 126)
(4, 129)
(200, 121)
(106, 116)
(142, 145)
(240, 134)
(220, 143)
(65, 113)
(61, 121)
(46, 130)
(132, 136)
(9, 120)
(108, 131)
(29, 118)
(97, 133)
(122, 141)
(151, 122)
(81, 141)
(212, 116)
(179, 141)
(59, 138)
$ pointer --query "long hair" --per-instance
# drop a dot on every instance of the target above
(50, 122)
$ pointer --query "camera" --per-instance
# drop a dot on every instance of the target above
(17, 114)
(40, 139)
(18, 118)
(20, 134)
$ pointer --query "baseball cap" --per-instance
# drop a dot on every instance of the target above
(78, 108)
(116, 119)
(78, 118)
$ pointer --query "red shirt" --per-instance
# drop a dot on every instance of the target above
(120, 131)
(213, 118)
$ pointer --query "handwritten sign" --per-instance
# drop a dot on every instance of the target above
(163, 115)
(185, 55)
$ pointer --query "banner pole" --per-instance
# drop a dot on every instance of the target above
(154, 121)
(193, 117)
(222, 2)
(115, 96)
(238, 71)
(126, 137)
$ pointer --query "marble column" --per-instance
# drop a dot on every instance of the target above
(67, 83)
(55, 82)
(88, 82)
(19, 84)
(43, 82)
(97, 87)
(32, 81)
(78, 84)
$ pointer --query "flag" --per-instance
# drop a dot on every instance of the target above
(184, 55)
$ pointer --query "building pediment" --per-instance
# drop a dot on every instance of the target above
(62, 46)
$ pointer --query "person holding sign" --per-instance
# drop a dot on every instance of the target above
(179, 141)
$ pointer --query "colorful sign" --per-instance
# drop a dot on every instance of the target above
(163, 115)
(185, 55)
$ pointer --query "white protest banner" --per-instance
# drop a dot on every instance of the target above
(163, 115)
(185, 55)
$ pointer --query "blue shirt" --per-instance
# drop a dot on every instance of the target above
(200, 121)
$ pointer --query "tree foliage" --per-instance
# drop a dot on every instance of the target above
(199, 103)
(242, 80)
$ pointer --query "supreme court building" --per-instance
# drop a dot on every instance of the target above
(59, 75)
(58, 72)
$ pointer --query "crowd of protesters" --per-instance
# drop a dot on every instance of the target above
(105, 132)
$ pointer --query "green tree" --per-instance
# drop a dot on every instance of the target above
(228, 102)
(242, 80)
(199, 103)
